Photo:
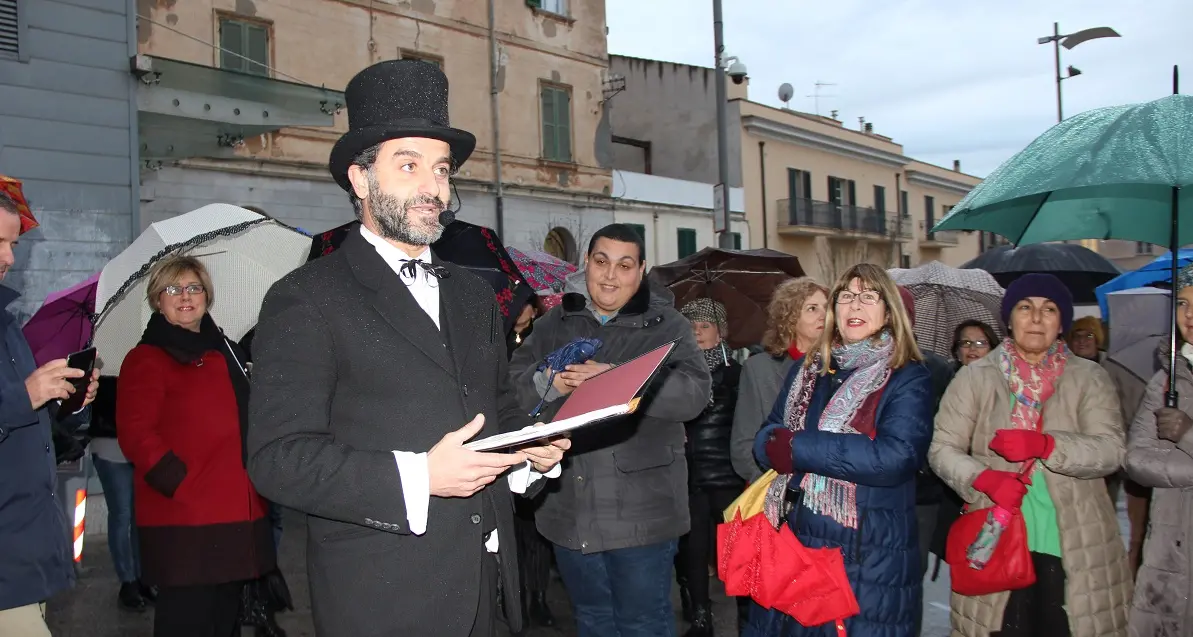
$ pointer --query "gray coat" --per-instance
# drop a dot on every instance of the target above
(624, 483)
(762, 377)
(1164, 583)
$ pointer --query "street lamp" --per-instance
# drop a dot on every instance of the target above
(721, 190)
(1069, 41)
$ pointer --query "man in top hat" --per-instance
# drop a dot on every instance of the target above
(372, 367)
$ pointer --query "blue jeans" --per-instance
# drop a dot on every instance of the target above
(117, 480)
(620, 593)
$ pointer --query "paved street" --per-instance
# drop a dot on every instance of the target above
(90, 610)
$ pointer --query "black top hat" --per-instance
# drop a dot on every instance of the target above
(394, 99)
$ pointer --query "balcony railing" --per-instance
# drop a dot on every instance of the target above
(948, 237)
(903, 231)
(832, 216)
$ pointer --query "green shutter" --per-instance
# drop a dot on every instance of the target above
(563, 124)
(736, 240)
(639, 228)
(548, 109)
(231, 39)
(686, 241)
(257, 45)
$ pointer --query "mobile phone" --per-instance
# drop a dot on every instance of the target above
(84, 360)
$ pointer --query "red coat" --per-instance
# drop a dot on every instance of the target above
(199, 518)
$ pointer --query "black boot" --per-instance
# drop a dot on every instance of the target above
(130, 598)
(701, 621)
(685, 601)
(538, 611)
(271, 628)
(148, 592)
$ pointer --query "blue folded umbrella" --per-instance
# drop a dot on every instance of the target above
(1158, 271)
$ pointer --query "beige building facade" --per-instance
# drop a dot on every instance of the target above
(813, 187)
(551, 84)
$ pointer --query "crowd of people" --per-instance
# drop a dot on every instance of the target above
(372, 368)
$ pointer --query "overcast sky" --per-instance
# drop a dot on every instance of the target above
(948, 80)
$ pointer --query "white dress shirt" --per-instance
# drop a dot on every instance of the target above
(412, 467)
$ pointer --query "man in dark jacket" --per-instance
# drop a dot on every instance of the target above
(35, 536)
(621, 504)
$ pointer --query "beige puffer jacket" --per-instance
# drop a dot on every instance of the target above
(1083, 418)
(1162, 607)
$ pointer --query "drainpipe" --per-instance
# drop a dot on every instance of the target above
(898, 221)
(762, 173)
(494, 61)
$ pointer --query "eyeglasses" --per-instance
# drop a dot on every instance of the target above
(192, 289)
(867, 298)
(973, 344)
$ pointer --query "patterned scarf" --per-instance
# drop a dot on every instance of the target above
(870, 361)
(1031, 385)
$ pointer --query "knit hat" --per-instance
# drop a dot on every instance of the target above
(908, 302)
(1184, 277)
(706, 309)
(1039, 285)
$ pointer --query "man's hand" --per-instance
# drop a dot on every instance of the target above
(92, 388)
(456, 472)
(544, 458)
(1172, 424)
(574, 375)
(561, 386)
(51, 382)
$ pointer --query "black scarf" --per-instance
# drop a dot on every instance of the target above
(188, 347)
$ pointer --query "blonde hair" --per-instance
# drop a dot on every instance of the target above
(783, 312)
(872, 277)
(1092, 325)
(171, 269)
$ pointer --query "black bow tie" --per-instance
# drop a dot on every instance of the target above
(410, 268)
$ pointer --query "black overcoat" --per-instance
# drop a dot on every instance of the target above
(348, 368)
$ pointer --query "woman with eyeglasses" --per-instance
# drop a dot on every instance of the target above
(1033, 428)
(182, 400)
(848, 434)
(972, 340)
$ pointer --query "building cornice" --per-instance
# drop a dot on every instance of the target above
(786, 133)
(936, 181)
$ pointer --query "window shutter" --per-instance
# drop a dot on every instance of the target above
(686, 241)
(231, 40)
(258, 49)
(8, 27)
(736, 240)
(548, 110)
(563, 124)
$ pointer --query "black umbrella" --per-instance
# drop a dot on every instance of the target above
(743, 280)
(1078, 267)
(467, 245)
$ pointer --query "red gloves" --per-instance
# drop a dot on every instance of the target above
(778, 451)
(1019, 445)
(1003, 487)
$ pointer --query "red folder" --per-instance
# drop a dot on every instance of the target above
(612, 393)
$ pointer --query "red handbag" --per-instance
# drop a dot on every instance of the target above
(1010, 568)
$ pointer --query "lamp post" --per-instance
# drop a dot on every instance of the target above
(1069, 41)
(721, 190)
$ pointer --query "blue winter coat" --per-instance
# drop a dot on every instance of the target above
(882, 555)
(35, 535)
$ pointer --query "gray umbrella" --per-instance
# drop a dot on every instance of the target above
(1139, 321)
(945, 297)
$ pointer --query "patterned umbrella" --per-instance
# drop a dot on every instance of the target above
(945, 297)
(12, 188)
(541, 270)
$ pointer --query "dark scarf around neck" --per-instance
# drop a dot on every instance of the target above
(188, 348)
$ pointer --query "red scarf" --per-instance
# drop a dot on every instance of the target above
(794, 352)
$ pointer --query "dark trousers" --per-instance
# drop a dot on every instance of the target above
(624, 592)
(699, 546)
(534, 551)
(198, 611)
(485, 624)
(1039, 609)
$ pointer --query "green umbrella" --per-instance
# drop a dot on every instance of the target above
(1120, 172)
